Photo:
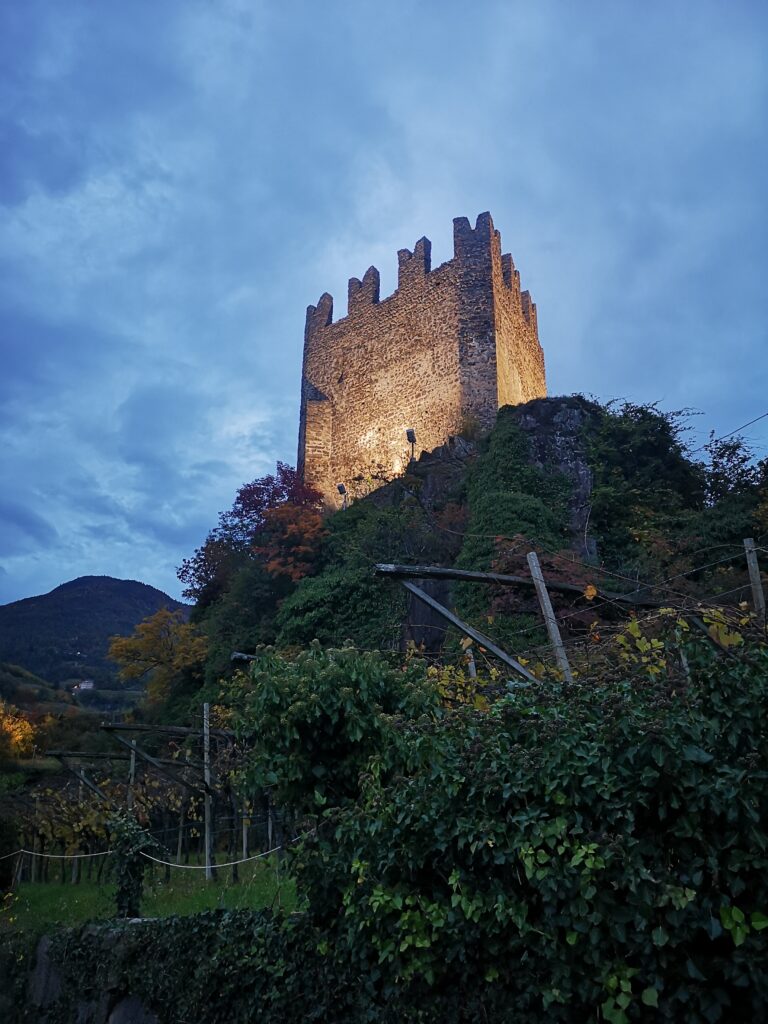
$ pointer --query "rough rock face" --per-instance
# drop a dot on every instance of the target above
(438, 473)
(555, 427)
(112, 1006)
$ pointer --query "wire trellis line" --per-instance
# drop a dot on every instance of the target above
(56, 856)
(228, 864)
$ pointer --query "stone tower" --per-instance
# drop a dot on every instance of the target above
(445, 350)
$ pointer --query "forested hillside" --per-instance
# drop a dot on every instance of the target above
(65, 634)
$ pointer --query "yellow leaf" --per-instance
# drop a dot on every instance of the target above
(590, 591)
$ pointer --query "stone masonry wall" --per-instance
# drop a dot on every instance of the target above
(448, 347)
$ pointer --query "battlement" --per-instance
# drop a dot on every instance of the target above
(365, 292)
(469, 243)
(411, 266)
(464, 234)
(450, 343)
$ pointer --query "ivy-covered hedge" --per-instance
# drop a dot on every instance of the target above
(219, 967)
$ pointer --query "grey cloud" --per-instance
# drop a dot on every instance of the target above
(42, 357)
(23, 528)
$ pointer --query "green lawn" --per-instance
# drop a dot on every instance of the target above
(34, 907)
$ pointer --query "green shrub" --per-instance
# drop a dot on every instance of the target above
(221, 967)
(313, 723)
(588, 850)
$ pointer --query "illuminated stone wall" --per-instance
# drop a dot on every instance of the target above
(448, 347)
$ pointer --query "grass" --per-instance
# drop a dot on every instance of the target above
(37, 906)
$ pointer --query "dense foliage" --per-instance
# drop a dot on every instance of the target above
(130, 842)
(553, 853)
(603, 846)
(573, 847)
(221, 967)
(313, 723)
(345, 601)
(270, 521)
(651, 513)
(16, 733)
(508, 497)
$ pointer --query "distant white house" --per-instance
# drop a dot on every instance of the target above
(86, 684)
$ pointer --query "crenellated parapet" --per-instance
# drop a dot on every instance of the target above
(449, 345)
(365, 292)
(320, 315)
(413, 267)
(529, 309)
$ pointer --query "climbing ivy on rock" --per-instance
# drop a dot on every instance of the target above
(508, 497)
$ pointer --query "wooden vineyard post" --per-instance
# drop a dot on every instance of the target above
(180, 832)
(207, 800)
(758, 595)
(182, 814)
(132, 774)
(466, 644)
(35, 843)
(549, 616)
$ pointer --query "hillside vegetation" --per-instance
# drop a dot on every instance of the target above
(65, 634)
(607, 495)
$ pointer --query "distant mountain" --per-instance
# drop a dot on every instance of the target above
(65, 634)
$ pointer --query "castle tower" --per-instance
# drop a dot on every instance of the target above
(447, 348)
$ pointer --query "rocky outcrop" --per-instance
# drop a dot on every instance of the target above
(555, 428)
(112, 1005)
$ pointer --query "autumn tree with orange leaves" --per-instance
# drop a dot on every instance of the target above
(16, 733)
(290, 540)
(162, 648)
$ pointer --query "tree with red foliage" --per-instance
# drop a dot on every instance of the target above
(290, 540)
(250, 530)
(254, 500)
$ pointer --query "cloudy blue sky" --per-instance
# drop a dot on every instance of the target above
(180, 178)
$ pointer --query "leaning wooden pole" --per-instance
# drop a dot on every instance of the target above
(758, 594)
(470, 631)
(549, 616)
